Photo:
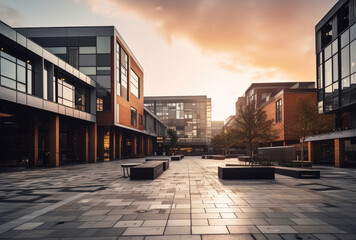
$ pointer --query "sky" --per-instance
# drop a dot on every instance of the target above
(196, 47)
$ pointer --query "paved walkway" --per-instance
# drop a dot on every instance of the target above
(188, 201)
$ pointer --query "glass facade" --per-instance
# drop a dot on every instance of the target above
(134, 84)
(336, 71)
(279, 110)
(190, 118)
(91, 56)
(15, 73)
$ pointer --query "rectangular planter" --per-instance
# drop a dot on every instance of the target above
(147, 171)
(241, 172)
(298, 172)
(165, 162)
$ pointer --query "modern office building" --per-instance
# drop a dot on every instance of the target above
(79, 88)
(102, 54)
(216, 127)
(190, 116)
(47, 107)
(336, 84)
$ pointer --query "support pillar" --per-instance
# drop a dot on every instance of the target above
(84, 137)
(54, 141)
(33, 141)
(311, 152)
(339, 150)
(113, 144)
(101, 143)
(120, 145)
(93, 138)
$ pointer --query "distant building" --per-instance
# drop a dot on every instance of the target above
(281, 109)
(190, 116)
(279, 101)
(336, 85)
(216, 127)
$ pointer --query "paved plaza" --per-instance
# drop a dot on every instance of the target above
(188, 201)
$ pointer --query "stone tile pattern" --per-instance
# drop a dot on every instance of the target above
(188, 201)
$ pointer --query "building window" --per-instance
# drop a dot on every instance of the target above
(15, 73)
(134, 83)
(73, 57)
(66, 93)
(279, 110)
(124, 60)
(140, 119)
(99, 104)
(133, 117)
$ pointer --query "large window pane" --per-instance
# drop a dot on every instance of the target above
(103, 44)
(345, 38)
(87, 60)
(345, 62)
(8, 69)
(21, 74)
(345, 84)
(327, 52)
(353, 56)
(135, 84)
(103, 99)
(8, 83)
(87, 50)
(88, 70)
(353, 32)
(328, 73)
(335, 47)
(103, 81)
(57, 50)
(335, 68)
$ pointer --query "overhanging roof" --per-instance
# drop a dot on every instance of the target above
(332, 135)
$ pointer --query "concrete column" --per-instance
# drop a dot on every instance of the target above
(84, 137)
(54, 141)
(311, 152)
(120, 145)
(33, 141)
(93, 138)
(101, 143)
(339, 150)
(112, 143)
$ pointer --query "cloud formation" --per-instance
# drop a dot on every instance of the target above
(10, 15)
(267, 34)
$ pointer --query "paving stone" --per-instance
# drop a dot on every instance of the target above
(209, 230)
(177, 230)
(243, 229)
(276, 229)
(144, 231)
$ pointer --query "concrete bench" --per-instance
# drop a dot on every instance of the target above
(242, 172)
(219, 157)
(298, 172)
(127, 166)
(165, 162)
(146, 171)
(177, 157)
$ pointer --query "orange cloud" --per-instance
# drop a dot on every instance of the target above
(265, 34)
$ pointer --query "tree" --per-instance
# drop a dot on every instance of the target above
(223, 139)
(173, 137)
(307, 121)
(252, 129)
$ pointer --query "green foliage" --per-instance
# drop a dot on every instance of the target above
(173, 137)
(252, 129)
